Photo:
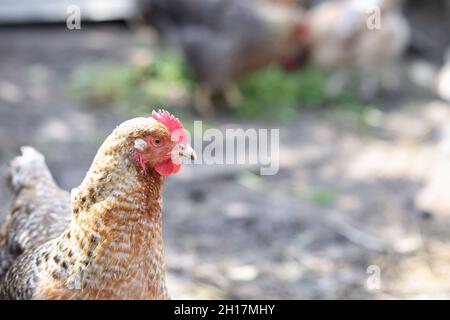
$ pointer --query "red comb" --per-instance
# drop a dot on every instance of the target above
(170, 121)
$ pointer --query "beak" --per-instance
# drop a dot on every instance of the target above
(187, 151)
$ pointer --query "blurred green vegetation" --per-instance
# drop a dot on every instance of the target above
(274, 93)
(130, 87)
(270, 93)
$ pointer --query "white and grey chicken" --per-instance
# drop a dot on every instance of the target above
(346, 35)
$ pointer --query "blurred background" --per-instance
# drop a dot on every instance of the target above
(360, 91)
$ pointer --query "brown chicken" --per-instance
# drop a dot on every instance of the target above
(223, 40)
(106, 242)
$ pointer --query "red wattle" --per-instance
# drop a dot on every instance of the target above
(176, 168)
(167, 167)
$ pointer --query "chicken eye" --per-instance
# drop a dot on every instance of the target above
(156, 141)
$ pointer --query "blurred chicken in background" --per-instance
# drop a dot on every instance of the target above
(434, 197)
(342, 39)
(432, 77)
(223, 40)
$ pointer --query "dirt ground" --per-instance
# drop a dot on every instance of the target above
(342, 201)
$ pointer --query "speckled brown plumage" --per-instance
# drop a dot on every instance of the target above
(105, 242)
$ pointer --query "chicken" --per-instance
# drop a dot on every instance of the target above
(224, 40)
(104, 241)
(344, 35)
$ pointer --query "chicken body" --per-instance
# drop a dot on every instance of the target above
(104, 243)
(31, 223)
(223, 40)
(345, 36)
